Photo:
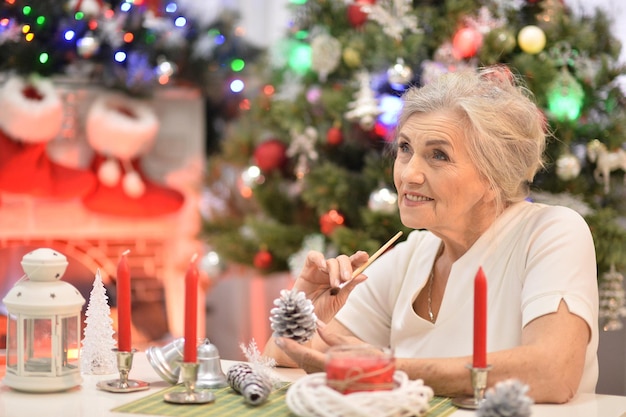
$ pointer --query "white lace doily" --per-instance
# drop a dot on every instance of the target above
(310, 397)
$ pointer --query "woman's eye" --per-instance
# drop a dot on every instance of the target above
(440, 155)
(403, 147)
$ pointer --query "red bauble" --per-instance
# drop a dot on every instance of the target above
(466, 42)
(330, 221)
(356, 16)
(334, 136)
(263, 259)
(270, 155)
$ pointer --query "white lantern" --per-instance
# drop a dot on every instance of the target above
(43, 331)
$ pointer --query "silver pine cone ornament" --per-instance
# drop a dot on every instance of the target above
(293, 316)
(254, 386)
(506, 399)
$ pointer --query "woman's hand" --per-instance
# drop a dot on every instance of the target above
(310, 359)
(320, 275)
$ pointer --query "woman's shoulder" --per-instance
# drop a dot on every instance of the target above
(542, 212)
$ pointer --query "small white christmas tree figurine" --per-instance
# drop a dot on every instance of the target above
(97, 355)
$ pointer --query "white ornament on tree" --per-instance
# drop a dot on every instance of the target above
(97, 355)
(606, 162)
(364, 109)
(567, 167)
(325, 56)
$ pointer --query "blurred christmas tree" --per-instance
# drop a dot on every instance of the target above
(134, 46)
(304, 167)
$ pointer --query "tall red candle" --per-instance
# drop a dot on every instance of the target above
(190, 352)
(123, 305)
(480, 320)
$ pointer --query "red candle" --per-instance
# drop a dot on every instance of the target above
(123, 305)
(480, 320)
(190, 352)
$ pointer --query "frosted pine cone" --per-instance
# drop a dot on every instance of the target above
(293, 316)
(256, 388)
(506, 399)
(236, 376)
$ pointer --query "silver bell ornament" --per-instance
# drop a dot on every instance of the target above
(210, 374)
(166, 362)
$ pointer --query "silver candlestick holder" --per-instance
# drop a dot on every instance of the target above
(479, 385)
(123, 384)
(189, 377)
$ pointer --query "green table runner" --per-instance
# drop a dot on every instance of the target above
(230, 404)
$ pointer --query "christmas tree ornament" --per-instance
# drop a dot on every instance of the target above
(500, 40)
(334, 136)
(326, 55)
(351, 57)
(394, 17)
(612, 300)
(293, 316)
(303, 146)
(331, 220)
(263, 259)
(364, 108)
(89, 7)
(567, 167)
(97, 355)
(357, 15)
(44, 322)
(531, 39)
(466, 42)
(270, 155)
(399, 75)
(606, 162)
(565, 97)
(506, 399)
(383, 200)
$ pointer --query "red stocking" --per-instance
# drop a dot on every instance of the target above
(156, 200)
(27, 169)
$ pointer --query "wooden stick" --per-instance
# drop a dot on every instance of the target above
(359, 270)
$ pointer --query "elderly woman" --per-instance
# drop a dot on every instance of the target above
(467, 147)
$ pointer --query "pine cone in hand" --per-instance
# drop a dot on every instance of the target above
(293, 316)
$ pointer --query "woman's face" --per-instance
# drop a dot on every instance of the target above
(438, 186)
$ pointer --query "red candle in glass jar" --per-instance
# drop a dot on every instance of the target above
(190, 352)
(359, 368)
(123, 305)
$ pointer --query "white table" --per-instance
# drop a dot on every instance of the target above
(89, 401)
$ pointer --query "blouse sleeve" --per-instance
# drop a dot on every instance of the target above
(561, 265)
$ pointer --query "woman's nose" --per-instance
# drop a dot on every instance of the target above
(413, 172)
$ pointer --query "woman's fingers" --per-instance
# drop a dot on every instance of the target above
(306, 358)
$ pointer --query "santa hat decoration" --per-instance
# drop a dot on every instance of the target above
(121, 130)
(32, 110)
(31, 116)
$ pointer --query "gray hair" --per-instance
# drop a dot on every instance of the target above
(504, 128)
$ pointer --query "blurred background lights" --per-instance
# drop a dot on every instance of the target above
(120, 56)
(237, 86)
